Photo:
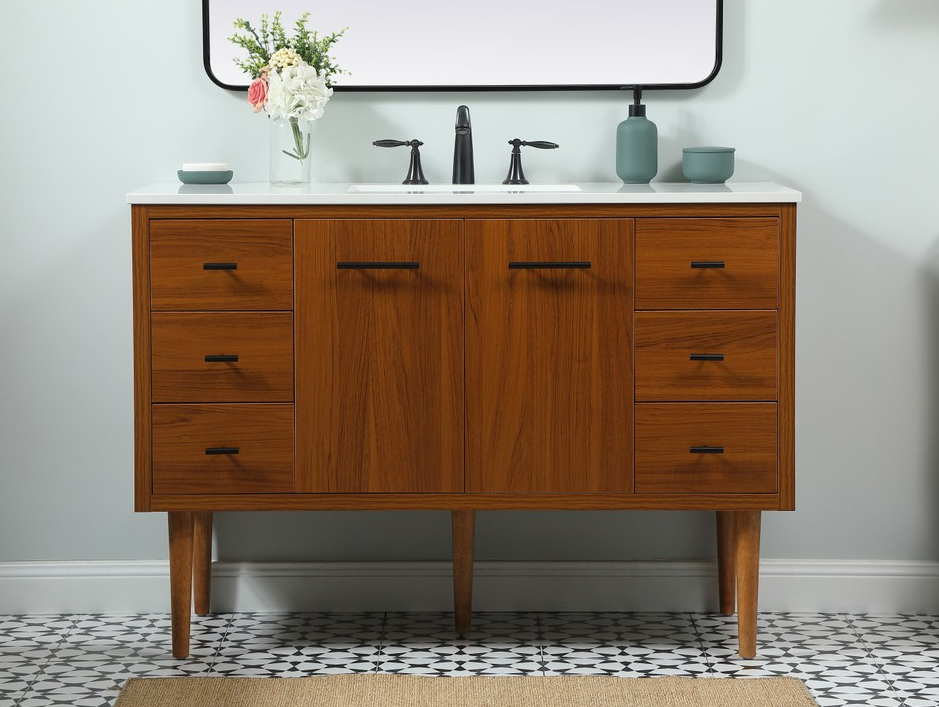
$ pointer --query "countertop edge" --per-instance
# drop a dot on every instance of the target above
(260, 194)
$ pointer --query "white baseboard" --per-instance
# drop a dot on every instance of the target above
(867, 586)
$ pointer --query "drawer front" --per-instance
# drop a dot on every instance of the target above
(193, 357)
(221, 265)
(707, 263)
(706, 448)
(725, 355)
(205, 449)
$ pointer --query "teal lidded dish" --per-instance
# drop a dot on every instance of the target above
(707, 165)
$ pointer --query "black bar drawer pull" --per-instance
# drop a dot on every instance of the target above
(707, 264)
(221, 450)
(550, 265)
(221, 358)
(707, 357)
(706, 450)
(219, 266)
(378, 266)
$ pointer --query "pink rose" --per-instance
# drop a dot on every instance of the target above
(257, 94)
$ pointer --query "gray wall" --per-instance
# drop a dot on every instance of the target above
(838, 99)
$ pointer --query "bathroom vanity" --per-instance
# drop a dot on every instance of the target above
(597, 346)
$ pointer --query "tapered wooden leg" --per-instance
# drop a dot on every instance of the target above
(180, 527)
(202, 562)
(726, 572)
(464, 526)
(747, 534)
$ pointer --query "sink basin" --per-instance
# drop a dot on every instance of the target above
(458, 188)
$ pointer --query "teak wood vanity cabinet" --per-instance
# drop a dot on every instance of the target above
(464, 357)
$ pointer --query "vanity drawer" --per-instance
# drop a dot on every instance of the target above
(222, 357)
(222, 449)
(706, 448)
(723, 355)
(707, 263)
(221, 264)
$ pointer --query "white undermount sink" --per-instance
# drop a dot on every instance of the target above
(458, 188)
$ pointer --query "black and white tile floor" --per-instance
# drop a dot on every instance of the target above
(845, 659)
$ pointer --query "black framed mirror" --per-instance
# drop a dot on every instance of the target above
(417, 45)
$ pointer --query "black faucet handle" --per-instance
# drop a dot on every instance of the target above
(390, 143)
(540, 144)
(516, 176)
(415, 172)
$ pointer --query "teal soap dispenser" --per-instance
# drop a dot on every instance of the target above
(637, 144)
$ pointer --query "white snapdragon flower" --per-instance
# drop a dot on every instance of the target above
(297, 92)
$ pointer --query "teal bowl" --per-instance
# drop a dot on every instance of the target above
(707, 165)
(204, 177)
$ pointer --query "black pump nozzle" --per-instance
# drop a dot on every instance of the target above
(637, 110)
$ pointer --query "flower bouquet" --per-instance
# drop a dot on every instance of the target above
(291, 82)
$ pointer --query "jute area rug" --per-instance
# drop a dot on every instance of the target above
(378, 690)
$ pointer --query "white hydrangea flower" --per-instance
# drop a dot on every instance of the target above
(297, 92)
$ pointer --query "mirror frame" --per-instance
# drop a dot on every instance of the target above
(718, 58)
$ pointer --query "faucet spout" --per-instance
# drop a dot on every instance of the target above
(463, 171)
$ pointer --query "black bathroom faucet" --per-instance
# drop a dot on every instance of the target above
(463, 172)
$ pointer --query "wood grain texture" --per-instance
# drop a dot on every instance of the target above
(464, 527)
(180, 537)
(380, 357)
(665, 249)
(548, 357)
(262, 249)
(665, 342)
(665, 433)
(263, 342)
(262, 433)
(466, 501)
(747, 540)
(726, 565)
(140, 254)
(787, 357)
(201, 562)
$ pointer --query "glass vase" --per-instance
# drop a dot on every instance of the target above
(291, 156)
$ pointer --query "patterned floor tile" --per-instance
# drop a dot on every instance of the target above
(293, 645)
(887, 628)
(906, 650)
(140, 637)
(879, 661)
(67, 685)
(21, 633)
(16, 679)
(627, 645)
(504, 643)
(823, 650)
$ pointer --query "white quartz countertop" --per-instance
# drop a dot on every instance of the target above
(244, 193)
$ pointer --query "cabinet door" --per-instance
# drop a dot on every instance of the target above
(379, 327)
(549, 373)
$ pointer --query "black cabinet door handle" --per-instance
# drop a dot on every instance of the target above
(221, 450)
(550, 265)
(707, 264)
(219, 266)
(707, 357)
(378, 265)
(706, 450)
(221, 358)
